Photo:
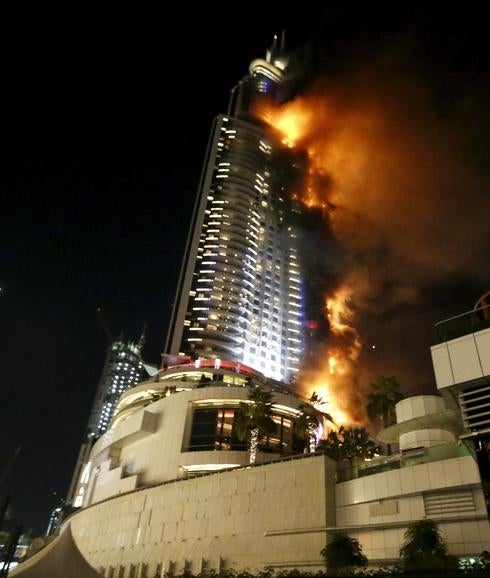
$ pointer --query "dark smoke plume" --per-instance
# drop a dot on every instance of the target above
(402, 167)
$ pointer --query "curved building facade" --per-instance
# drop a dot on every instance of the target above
(139, 521)
(182, 423)
(168, 488)
(240, 294)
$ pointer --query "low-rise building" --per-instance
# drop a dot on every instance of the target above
(170, 489)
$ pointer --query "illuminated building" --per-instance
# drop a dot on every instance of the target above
(240, 294)
(161, 499)
(123, 368)
(55, 518)
(462, 369)
(184, 417)
(168, 489)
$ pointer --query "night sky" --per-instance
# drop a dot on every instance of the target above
(105, 120)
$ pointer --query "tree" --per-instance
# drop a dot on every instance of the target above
(309, 420)
(484, 561)
(343, 553)
(349, 443)
(381, 404)
(254, 419)
(424, 548)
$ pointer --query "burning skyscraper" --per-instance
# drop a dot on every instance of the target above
(168, 488)
(240, 294)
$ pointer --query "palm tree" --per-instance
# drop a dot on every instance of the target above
(381, 404)
(349, 443)
(424, 548)
(343, 553)
(310, 418)
(254, 419)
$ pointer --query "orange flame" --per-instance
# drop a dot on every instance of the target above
(292, 121)
(329, 403)
(341, 319)
(335, 381)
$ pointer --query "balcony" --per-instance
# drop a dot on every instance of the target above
(459, 325)
(137, 426)
(463, 358)
(406, 459)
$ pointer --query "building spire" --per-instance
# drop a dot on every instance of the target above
(276, 55)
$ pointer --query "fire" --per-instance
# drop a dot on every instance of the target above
(329, 404)
(337, 311)
(341, 319)
(292, 121)
(336, 379)
(373, 143)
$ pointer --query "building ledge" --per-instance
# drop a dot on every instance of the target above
(445, 420)
(137, 426)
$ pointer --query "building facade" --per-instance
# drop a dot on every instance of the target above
(54, 520)
(275, 514)
(182, 423)
(461, 362)
(123, 368)
(166, 487)
(170, 488)
(240, 294)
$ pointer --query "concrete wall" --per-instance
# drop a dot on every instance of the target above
(271, 515)
(148, 447)
(463, 359)
(376, 509)
(278, 515)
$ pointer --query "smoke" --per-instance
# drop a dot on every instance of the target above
(400, 170)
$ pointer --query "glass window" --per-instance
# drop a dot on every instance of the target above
(281, 441)
(212, 429)
(203, 430)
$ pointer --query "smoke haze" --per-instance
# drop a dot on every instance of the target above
(401, 169)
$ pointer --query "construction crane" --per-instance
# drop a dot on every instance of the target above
(104, 325)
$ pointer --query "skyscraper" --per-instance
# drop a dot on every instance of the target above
(123, 368)
(240, 292)
(168, 488)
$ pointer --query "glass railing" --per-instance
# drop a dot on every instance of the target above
(406, 459)
(460, 325)
(357, 469)
(433, 454)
